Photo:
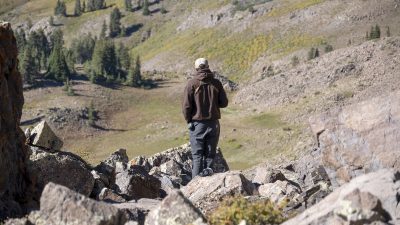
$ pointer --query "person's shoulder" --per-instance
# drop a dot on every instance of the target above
(216, 82)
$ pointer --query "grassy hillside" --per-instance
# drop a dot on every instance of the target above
(241, 41)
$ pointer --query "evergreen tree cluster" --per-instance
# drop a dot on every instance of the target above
(93, 5)
(60, 9)
(313, 53)
(375, 33)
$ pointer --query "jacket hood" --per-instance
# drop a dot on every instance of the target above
(204, 74)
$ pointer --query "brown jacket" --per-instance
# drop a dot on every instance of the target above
(203, 96)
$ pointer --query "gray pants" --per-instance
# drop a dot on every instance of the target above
(204, 140)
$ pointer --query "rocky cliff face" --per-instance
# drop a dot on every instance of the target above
(13, 152)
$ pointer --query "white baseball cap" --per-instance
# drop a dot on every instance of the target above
(199, 62)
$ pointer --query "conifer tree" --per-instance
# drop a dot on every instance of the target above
(28, 65)
(61, 8)
(58, 68)
(115, 23)
(51, 21)
(90, 5)
(130, 81)
(163, 10)
(388, 34)
(83, 6)
(123, 57)
(21, 40)
(328, 48)
(137, 72)
(78, 8)
(103, 33)
(378, 31)
(128, 5)
(311, 54)
(146, 10)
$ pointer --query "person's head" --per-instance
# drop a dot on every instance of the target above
(201, 63)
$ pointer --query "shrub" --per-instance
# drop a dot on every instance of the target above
(235, 209)
(295, 60)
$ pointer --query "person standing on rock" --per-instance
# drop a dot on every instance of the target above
(203, 97)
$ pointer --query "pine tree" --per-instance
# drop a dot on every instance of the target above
(316, 54)
(295, 60)
(51, 21)
(146, 10)
(388, 34)
(58, 68)
(99, 4)
(128, 5)
(78, 9)
(163, 10)
(311, 54)
(130, 81)
(28, 65)
(83, 6)
(61, 8)
(103, 33)
(90, 5)
(115, 23)
(110, 60)
(137, 72)
(82, 48)
(91, 115)
(367, 36)
(21, 40)
(123, 57)
(328, 48)
(378, 31)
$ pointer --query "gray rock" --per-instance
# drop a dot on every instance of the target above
(207, 192)
(367, 199)
(109, 195)
(115, 163)
(136, 183)
(138, 210)
(62, 168)
(21, 221)
(43, 136)
(359, 138)
(175, 209)
(60, 205)
(279, 191)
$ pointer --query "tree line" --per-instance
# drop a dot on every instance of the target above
(93, 5)
(41, 56)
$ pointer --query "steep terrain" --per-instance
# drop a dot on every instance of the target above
(13, 152)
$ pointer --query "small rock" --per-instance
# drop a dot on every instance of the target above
(43, 136)
(109, 195)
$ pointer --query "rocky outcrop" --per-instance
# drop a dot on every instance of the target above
(62, 168)
(60, 205)
(175, 209)
(176, 163)
(207, 192)
(360, 138)
(13, 153)
(368, 199)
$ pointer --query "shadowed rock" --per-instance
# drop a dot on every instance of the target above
(61, 168)
(13, 152)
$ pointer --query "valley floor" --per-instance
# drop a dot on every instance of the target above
(149, 121)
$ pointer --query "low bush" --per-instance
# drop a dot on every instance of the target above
(235, 209)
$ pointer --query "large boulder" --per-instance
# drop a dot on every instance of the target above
(359, 138)
(207, 192)
(13, 152)
(367, 199)
(175, 209)
(62, 168)
(60, 205)
(42, 136)
(136, 183)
